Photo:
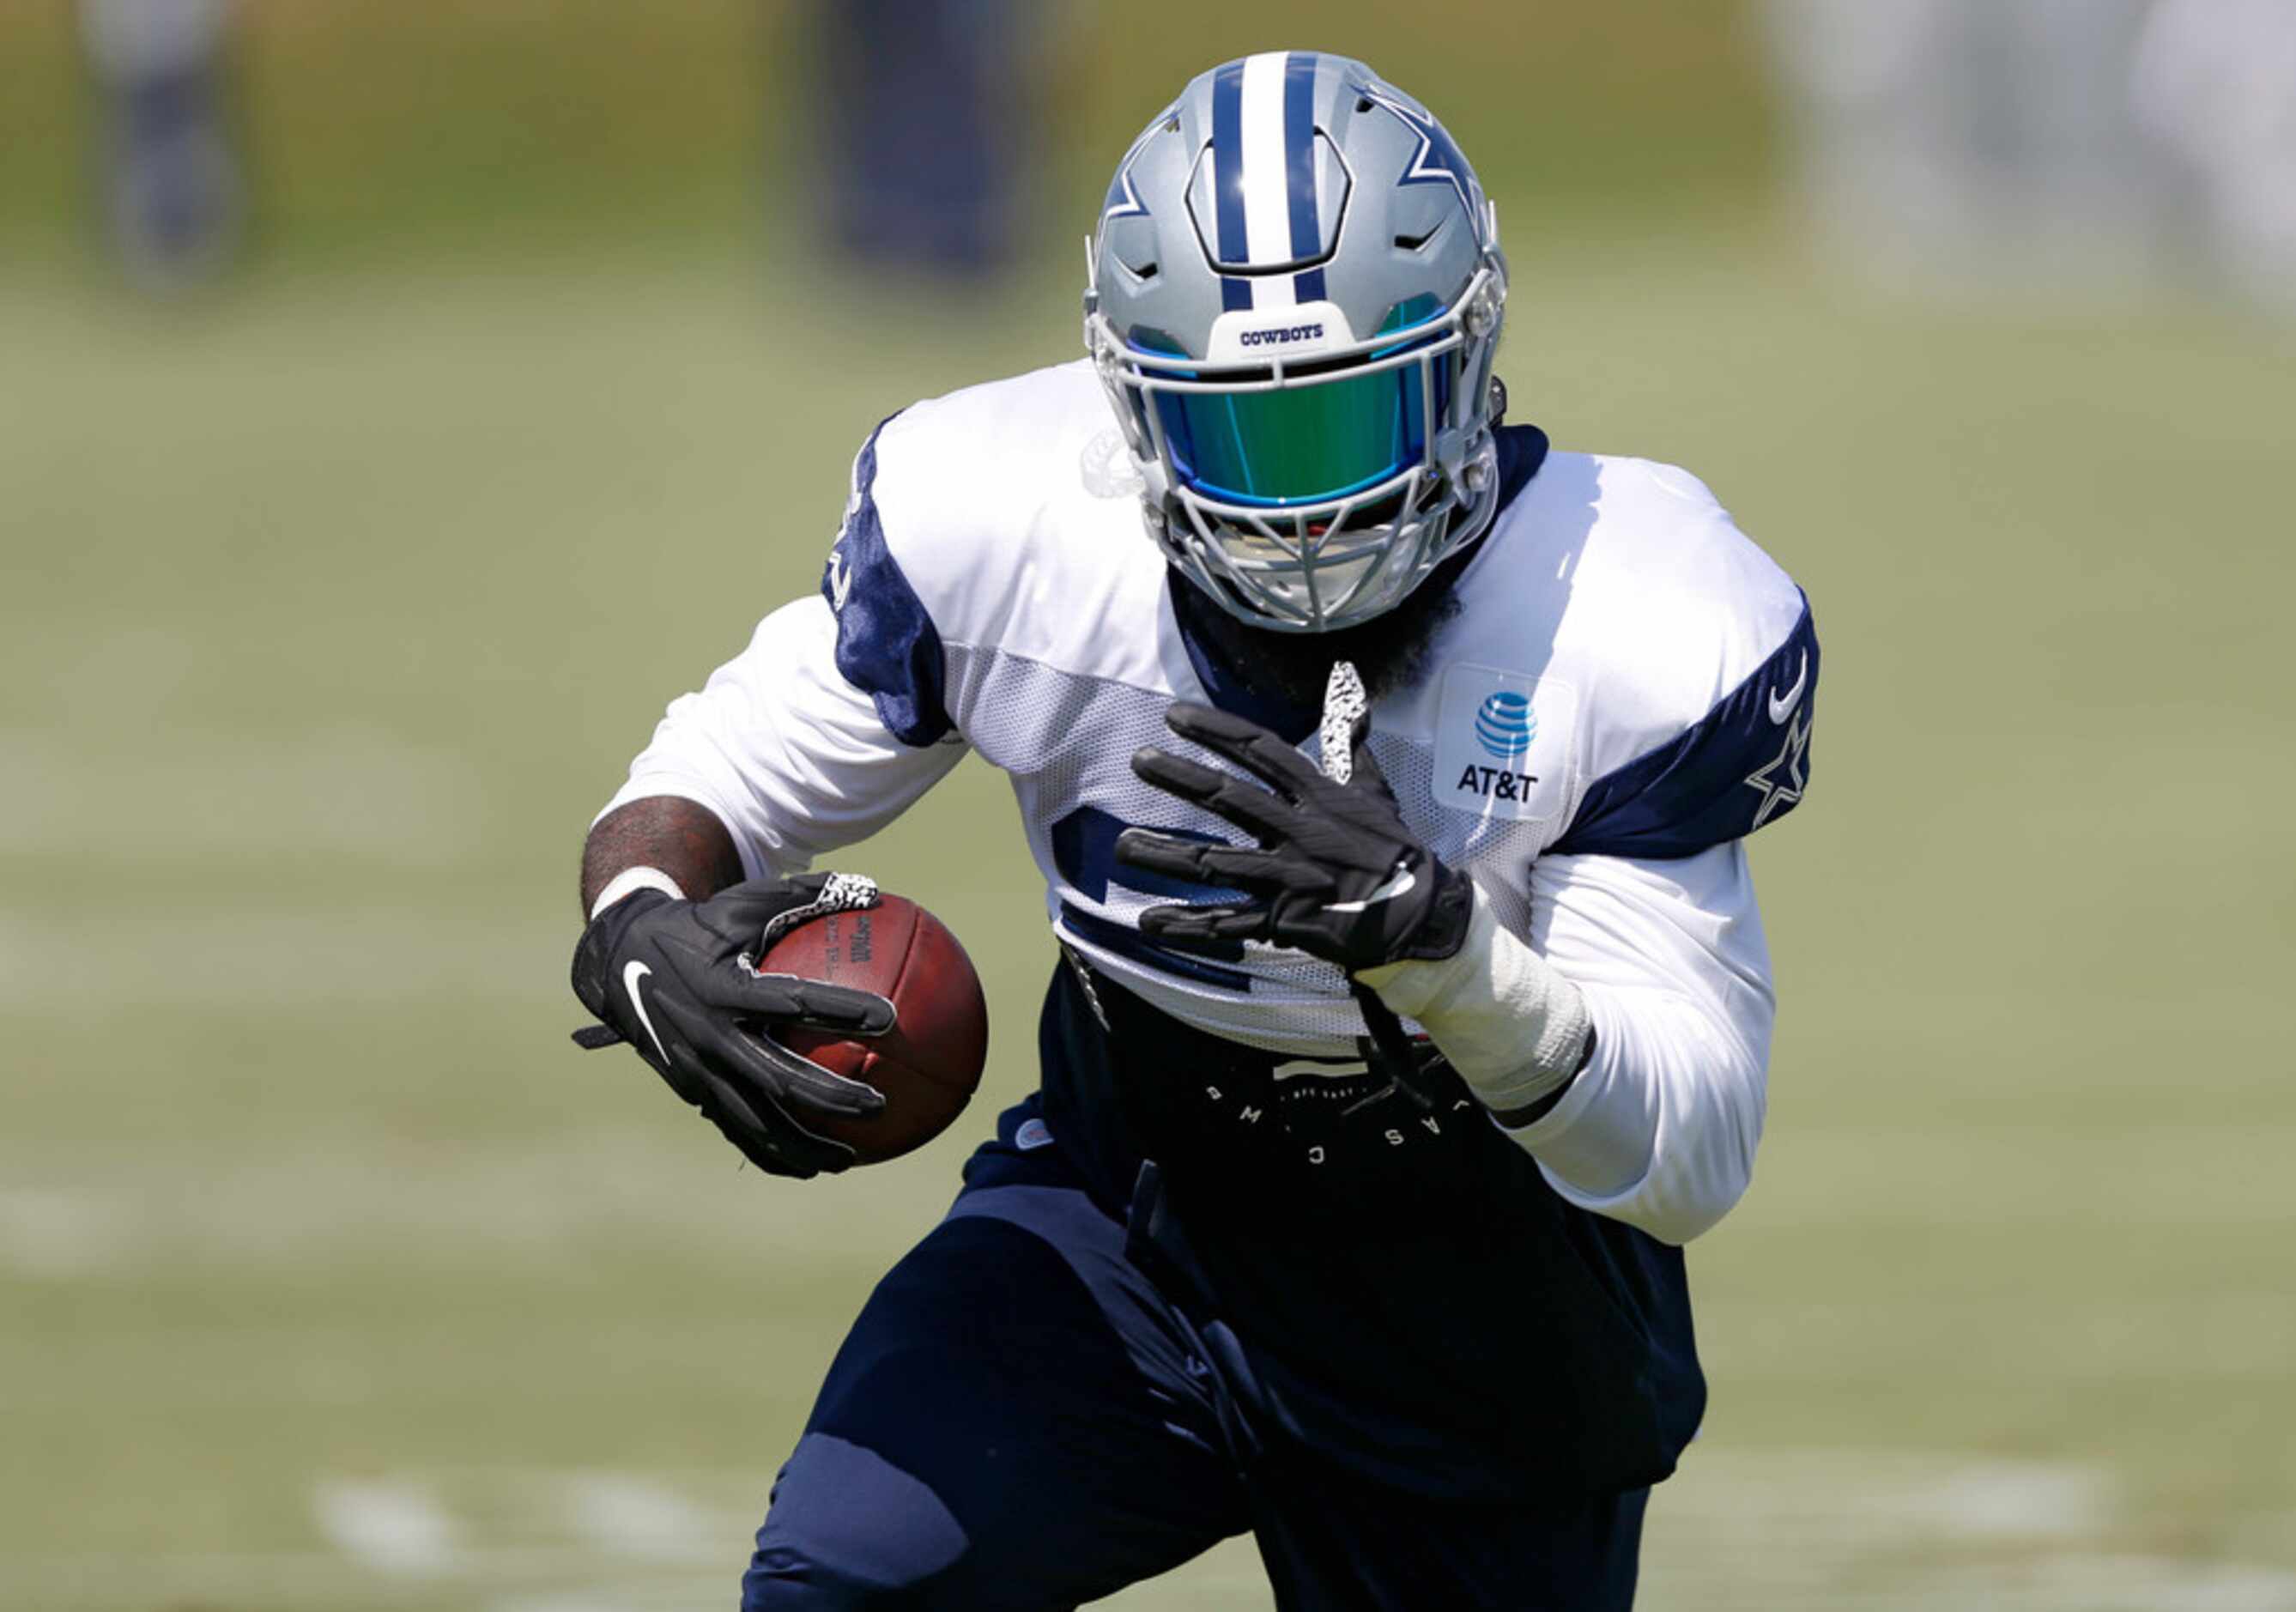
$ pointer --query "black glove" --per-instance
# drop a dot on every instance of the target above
(1337, 873)
(677, 981)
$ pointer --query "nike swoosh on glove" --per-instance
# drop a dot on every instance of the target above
(1336, 874)
(676, 980)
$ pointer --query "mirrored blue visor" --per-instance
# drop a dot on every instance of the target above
(1313, 440)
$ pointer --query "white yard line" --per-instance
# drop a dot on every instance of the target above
(1909, 1531)
(625, 1513)
(393, 1525)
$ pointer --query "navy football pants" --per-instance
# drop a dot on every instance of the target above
(1020, 1419)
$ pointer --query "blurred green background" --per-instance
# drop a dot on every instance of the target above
(333, 601)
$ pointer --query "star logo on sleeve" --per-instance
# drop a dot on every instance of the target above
(1781, 783)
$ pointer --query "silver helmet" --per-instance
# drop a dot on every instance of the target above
(1295, 295)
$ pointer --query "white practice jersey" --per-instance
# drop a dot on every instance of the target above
(1624, 692)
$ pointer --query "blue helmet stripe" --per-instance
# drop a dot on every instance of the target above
(1227, 179)
(1299, 169)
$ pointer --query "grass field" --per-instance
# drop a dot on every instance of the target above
(331, 1277)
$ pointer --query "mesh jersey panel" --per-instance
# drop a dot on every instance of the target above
(1066, 740)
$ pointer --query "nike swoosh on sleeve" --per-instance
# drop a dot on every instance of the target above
(1782, 705)
(631, 976)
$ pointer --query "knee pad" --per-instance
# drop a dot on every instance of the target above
(848, 1530)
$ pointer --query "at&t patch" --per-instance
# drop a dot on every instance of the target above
(1503, 744)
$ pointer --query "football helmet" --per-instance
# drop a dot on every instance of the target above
(1294, 297)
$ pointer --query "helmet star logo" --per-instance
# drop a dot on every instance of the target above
(1778, 792)
(1123, 197)
(1439, 160)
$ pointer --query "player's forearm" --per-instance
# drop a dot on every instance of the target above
(1514, 1030)
(681, 839)
(1660, 1129)
(1634, 1074)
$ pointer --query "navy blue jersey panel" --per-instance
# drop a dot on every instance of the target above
(1745, 763)
(1125, 941)
(887, 646)
(1084, 850)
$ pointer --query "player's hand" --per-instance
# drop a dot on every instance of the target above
(1337, 873)
(677, 981)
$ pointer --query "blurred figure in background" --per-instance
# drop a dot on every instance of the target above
(2215, 82)
(1954, 142)
(921, 107)
(174, 193)
(2049, 145)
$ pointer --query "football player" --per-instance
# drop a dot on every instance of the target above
(175, 182)
(1390, 799)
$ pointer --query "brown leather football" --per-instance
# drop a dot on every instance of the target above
(928, 1066)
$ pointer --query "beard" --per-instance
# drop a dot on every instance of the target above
(1291, 668)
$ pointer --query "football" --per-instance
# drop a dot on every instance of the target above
(928, 1066)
